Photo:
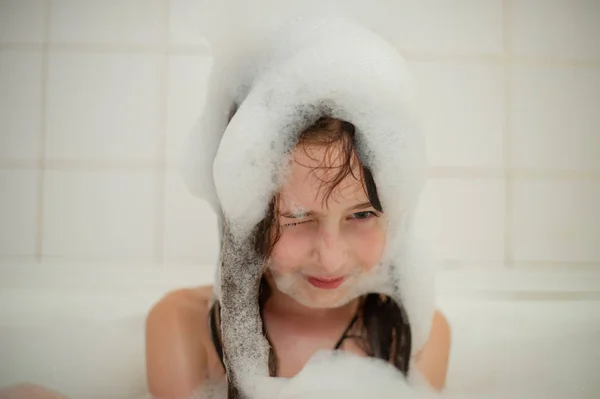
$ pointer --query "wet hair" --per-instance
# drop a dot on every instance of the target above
(384, 329)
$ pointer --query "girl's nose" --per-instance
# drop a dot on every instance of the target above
(331, 251)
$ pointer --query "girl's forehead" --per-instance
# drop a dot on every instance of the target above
(311, 173)
(304, 193)
(313, 165)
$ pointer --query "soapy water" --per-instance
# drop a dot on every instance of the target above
(330, 374)
(335, 374)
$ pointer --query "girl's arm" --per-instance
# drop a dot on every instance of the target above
(29, 391)
(175, 359)
(433, 359)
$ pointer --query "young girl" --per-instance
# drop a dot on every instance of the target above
(323, 232)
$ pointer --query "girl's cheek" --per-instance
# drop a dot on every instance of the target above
(368, 245)
(287, 254)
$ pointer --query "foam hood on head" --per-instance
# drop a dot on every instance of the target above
(279, 85)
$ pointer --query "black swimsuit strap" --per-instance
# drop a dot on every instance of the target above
(346, 331)
(214, 332)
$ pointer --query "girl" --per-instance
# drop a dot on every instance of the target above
(323, 232)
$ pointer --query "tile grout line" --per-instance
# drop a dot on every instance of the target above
(409, 54)
(435, 172)
(160, 210)
(509, 257)
(41, 172)
(448, 264)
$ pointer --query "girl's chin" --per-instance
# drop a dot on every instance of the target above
(305, 293)
(316, 298)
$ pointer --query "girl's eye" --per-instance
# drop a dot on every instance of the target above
(363, 215)
(295, 223)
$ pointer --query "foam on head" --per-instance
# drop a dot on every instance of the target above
(312, 67)
(293, 90)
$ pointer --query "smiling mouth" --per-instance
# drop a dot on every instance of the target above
(326, 283)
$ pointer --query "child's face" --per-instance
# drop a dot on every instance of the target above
(324, 247)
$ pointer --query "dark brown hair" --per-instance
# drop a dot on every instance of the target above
(384, 328)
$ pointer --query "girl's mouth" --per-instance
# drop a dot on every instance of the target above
(327, 284)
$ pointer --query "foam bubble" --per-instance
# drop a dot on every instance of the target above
(342, 375)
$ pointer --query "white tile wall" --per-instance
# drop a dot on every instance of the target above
(107, 22)
(22, 21)
(20, 104)
(183, 22)
(103, 107)
(559, 28)
(557, 220)
(188, 78)
(109, 107)
(446, 26)
(18, 212)
(463, 219)
(463, 113)
(556, 115)
(100, 214)
(191, 230)
(420, 25)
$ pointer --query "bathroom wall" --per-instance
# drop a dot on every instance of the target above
(95, 98)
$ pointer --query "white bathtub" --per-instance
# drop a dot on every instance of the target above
(81, 331)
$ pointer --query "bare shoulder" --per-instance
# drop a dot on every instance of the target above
(440, 324)
(176, 332)
(180, 309)
(185, 299)
(434, 357)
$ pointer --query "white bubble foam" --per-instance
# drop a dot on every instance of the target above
(330, 65)
(342, 375)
